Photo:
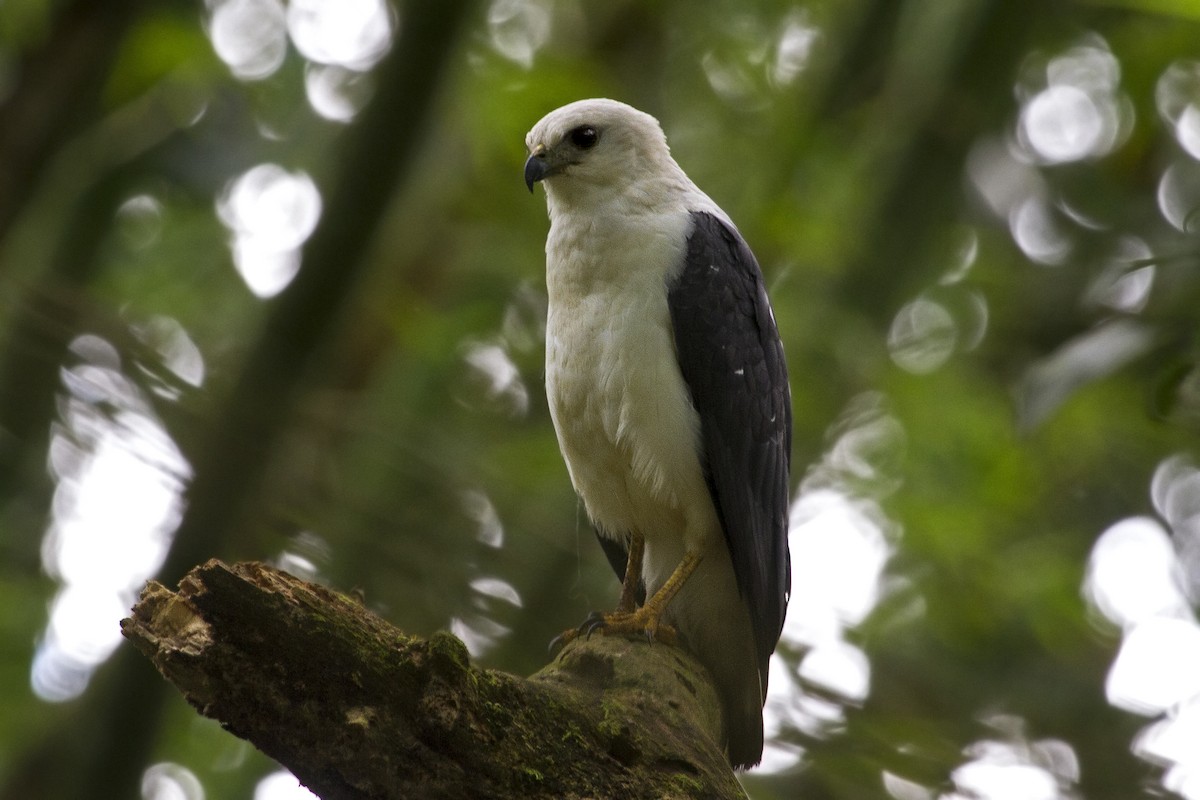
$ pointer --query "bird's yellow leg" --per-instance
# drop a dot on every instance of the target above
(647, 620)
(633, 575)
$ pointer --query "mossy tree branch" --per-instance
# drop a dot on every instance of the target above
(357, 709)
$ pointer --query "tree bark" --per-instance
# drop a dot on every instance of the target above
(355, 708)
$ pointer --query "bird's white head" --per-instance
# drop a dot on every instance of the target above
(590, 148)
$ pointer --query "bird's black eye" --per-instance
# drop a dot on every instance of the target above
(584, 137)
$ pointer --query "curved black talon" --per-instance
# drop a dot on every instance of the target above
(593, 622)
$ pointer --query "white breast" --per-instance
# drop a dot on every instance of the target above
(622, 411)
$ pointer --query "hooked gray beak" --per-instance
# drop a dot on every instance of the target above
(536, 168)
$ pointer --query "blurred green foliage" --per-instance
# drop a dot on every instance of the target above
(873, 152)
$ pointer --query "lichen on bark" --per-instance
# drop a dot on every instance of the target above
(358, 709)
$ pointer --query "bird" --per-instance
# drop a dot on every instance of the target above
(668, 391)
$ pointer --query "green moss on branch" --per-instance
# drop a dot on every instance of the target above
(357, 709)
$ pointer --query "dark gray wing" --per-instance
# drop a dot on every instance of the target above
(732, 360)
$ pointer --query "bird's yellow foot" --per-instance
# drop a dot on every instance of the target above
(640, 623)
(645, 621)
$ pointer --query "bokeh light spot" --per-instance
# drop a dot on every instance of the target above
(1179, 195)
(1062, 123)
(1038, 233)
(271, 212)
(1079, 113)
(116, 505)
(336, 93)
(518, 29)
(282, 786)
(139, 220)
(349, 33)
(167, 781)
(923, 336)
(249, 36)
(1158, 666)
(1131, 573)
(797, 37)
(839, 667)
(1187, 130)
(1177, 90)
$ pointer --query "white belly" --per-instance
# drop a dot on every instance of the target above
(626, 426)
(629, 435)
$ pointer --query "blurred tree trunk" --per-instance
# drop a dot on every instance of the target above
(57, 94)
(357, 709)
(55, 99)
(376, 154)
